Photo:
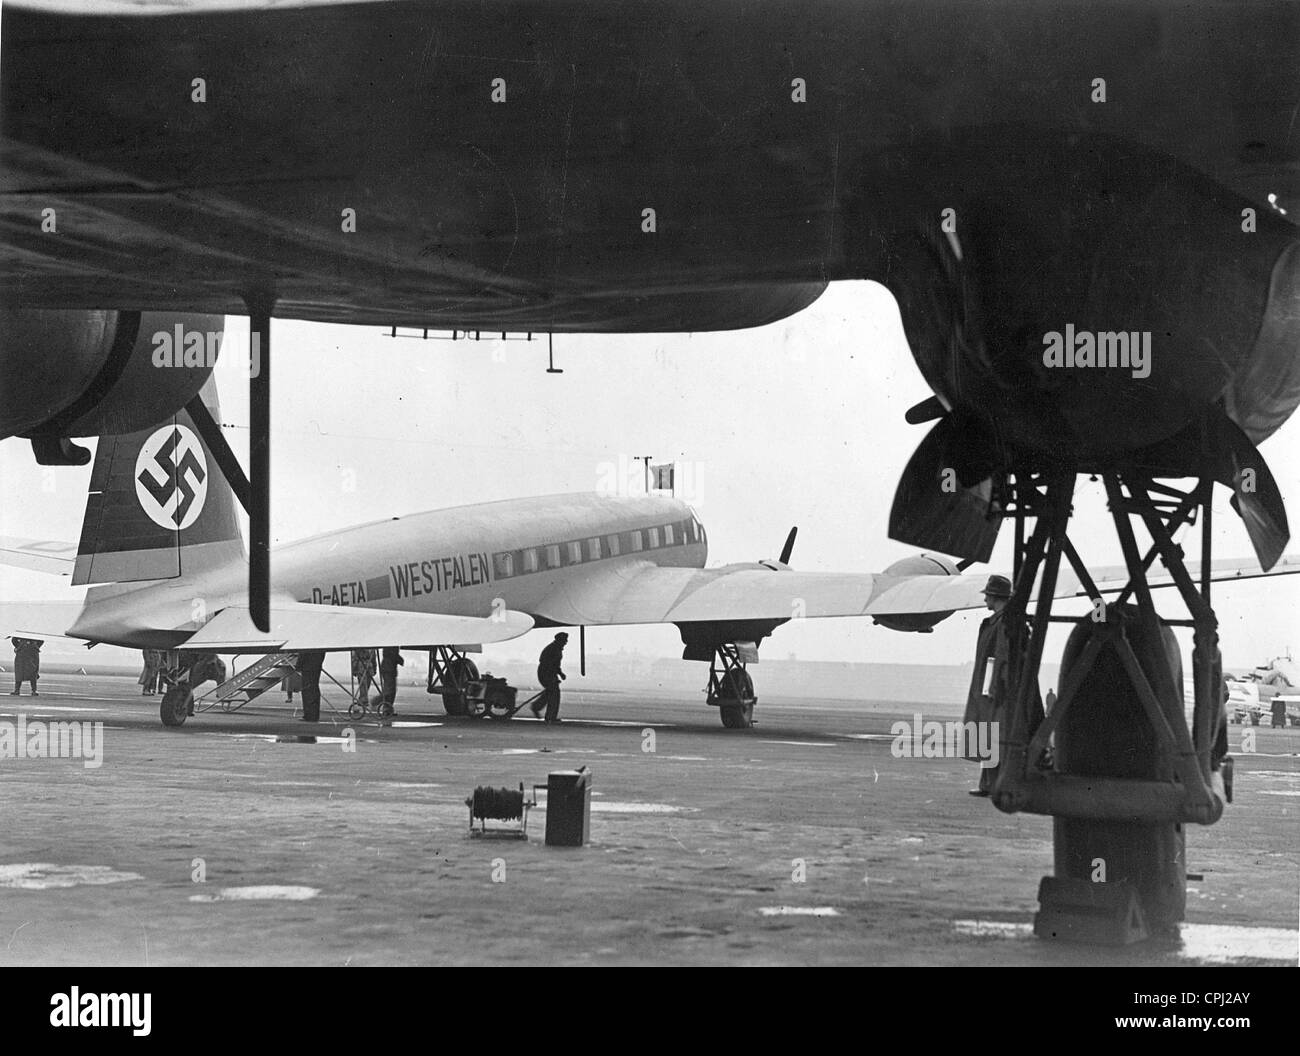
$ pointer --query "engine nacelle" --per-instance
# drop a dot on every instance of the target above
(93, 373)
(918, 565)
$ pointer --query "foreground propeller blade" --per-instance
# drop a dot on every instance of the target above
(933, 511)
(1256, 496)
(788, 549)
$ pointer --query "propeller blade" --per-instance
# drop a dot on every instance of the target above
(933, 511)
(1256, 496)
(789, 545)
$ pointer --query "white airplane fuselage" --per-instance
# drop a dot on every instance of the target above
(463, 561)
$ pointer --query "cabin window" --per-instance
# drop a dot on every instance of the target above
(530, 560)
(612, 542)
(668, 535)
(593, 549)
(553, 556)
(505, 565)
(653, 534)
(634, 543)
(575, 553)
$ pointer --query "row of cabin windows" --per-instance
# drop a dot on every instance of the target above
(507, 563)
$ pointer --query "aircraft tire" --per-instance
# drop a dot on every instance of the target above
(461, 671)
(175, 706)
(739, 687)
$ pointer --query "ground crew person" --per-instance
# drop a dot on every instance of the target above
(389, 660)
(309, 667)
(550, 676)
(27, 664)
(991, 687)
(363, 670)
(152, 672)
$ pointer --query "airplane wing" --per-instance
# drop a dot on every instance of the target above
(1111, 579)
(639, 592)
(38, 555)
(296, 627)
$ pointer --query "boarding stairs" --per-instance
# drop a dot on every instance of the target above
(251, 682)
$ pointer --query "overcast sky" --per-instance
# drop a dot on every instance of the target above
(797, 423)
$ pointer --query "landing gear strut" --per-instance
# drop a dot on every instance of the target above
(450, 673)
(1127, 774)
(730, 688)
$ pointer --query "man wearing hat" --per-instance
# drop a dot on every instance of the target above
(991, 687)
(550, 676)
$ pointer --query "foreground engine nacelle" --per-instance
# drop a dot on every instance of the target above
(92, 373)
(918, 565)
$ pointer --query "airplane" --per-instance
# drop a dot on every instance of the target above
(1005, 168)
(1086, 213)
(158, 516)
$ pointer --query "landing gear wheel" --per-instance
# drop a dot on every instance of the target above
(356, 710)
(460, 672)
(176, 704)
(385, 710)
(737, 686)
(737, 716)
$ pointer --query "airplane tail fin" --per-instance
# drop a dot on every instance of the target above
(157, 506)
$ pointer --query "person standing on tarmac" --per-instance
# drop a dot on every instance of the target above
(149, 677)
(363, 670)
(550, 676)
(309, 667)
(27, 664)
(389, 660)
(991, 686)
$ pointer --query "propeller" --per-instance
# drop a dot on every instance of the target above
(789, 545)
(943, 497)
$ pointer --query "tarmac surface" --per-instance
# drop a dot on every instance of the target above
(801, 841)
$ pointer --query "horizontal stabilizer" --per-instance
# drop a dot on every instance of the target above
(38, 619)
(38, 555)
(297, 627)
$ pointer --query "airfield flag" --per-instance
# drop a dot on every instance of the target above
(662, 476)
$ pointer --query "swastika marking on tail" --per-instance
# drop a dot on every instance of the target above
(171, 477)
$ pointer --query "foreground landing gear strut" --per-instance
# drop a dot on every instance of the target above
(1126, 774)
(730, 688)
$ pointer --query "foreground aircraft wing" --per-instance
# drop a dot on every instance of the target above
(639, 592)
(38, 555)
(296, 627)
